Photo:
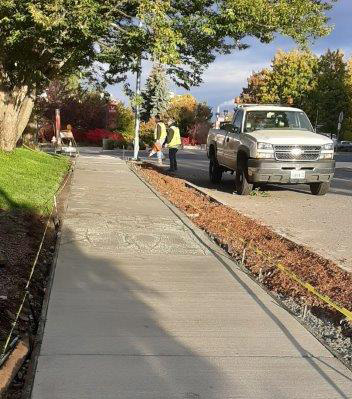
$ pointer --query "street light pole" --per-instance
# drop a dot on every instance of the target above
(137, 106)
(137, 111)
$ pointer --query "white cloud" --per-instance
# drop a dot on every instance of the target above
(231, 71)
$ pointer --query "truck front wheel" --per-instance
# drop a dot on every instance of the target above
(215, 170)
(243, 187)
(319, 188)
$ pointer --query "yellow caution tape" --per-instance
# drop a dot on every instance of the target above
(310, 288)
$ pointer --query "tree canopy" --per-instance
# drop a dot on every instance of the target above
(186, 112)
(322, 86)
(186, 35)
(292, 75)
(43, 40)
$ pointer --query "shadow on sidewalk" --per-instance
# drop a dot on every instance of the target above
(105, 339)
(109, 341)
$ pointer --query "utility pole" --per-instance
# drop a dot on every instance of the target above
(339, 125)
(137, 106)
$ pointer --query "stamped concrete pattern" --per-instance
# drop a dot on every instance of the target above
(142, 309)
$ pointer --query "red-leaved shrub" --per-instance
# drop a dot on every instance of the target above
(96, 136)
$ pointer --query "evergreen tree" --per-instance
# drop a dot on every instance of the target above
(156, 95)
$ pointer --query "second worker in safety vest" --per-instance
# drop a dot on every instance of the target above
(174, 143)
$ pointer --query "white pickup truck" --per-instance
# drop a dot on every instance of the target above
(268, 144)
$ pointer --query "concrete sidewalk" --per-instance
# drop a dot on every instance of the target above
(141, 309)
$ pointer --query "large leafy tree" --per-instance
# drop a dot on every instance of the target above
(44, 40)
(347, 133)
(322, 86)
(332, 94)
(187, 112)
(82, 107)
(257, 90)
(41, 40)
(293, 75)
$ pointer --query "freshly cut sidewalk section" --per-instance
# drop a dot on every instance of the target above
(142, 309)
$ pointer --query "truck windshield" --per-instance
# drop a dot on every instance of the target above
(264, 120)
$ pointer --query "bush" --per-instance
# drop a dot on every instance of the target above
(96, 136)
(147, 132)
(124, 120)
(347, 136)
(109, 144)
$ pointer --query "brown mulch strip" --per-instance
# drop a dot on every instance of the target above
(20, 235)
(235, 231)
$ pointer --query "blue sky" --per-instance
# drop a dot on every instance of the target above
(226, 77)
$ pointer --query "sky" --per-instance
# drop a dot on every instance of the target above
(227, 75)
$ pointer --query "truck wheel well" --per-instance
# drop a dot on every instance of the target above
(242, 158)
(212, 150)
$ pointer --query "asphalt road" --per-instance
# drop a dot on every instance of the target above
(324, 224)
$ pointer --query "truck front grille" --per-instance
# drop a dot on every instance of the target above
(287, 152)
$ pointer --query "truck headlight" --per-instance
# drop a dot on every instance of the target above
(265, 146)
(328, 147)
(265, 155)
(326, 155)
(265, 150)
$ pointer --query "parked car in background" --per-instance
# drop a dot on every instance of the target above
(344, 145)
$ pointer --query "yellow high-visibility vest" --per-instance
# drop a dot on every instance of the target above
(160, 131)
(173, 137)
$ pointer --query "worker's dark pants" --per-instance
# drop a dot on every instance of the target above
(172, 157)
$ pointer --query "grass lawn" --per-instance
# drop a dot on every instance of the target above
(29, 179)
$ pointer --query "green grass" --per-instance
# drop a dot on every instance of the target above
(29, 179)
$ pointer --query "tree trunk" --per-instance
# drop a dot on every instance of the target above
(15, 110)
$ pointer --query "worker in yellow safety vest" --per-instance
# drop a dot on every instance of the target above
(160, 134)
(174, 143)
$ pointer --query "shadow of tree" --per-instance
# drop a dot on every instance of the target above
(108, 333)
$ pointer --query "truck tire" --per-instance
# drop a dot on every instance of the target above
(215, 170)
(319, 188)
(243, 187)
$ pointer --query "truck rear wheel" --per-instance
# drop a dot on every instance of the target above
(319, 188)
(215, 170)
(243, 187)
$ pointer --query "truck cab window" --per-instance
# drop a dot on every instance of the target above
(276, 119)
(237, 123)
